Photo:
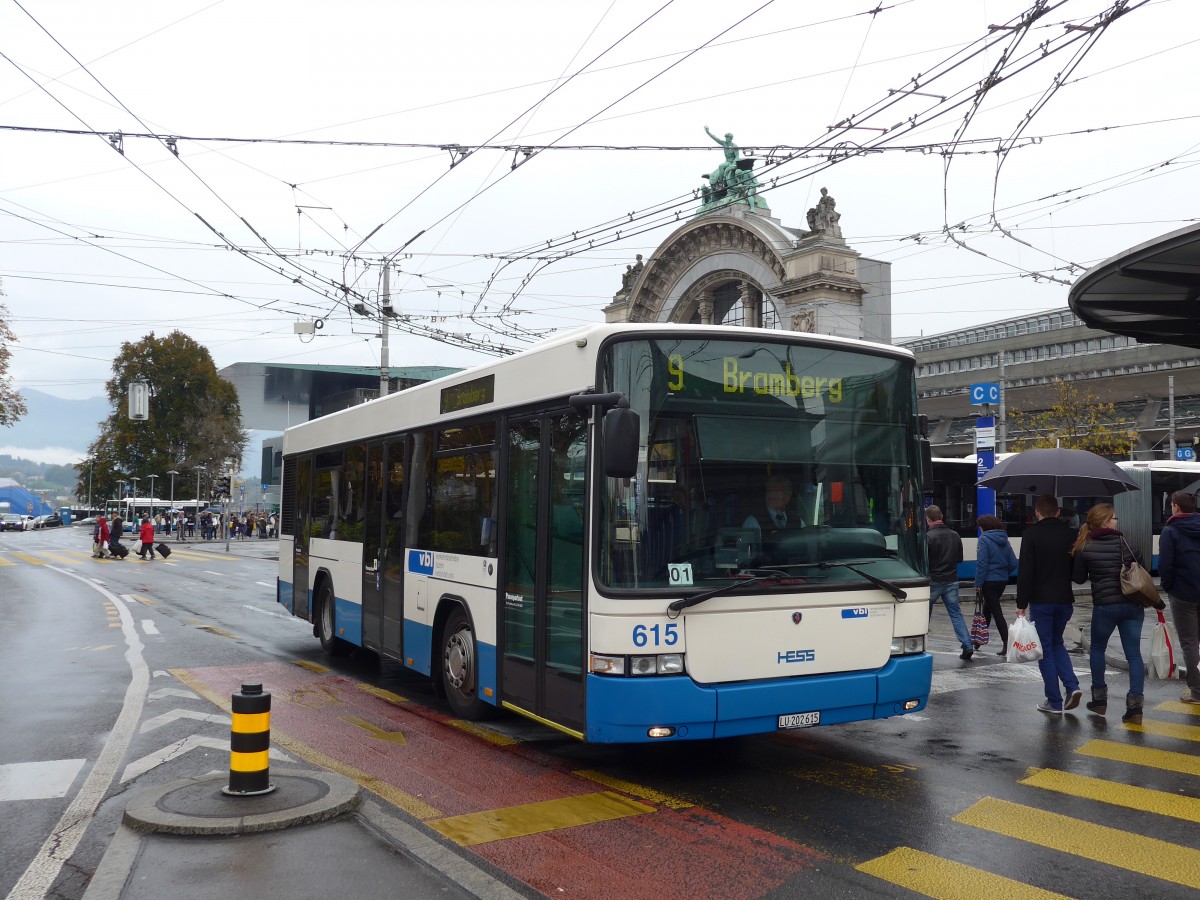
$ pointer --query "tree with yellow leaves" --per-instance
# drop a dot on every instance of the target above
(1075, 419)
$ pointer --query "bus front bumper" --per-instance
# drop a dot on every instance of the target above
(624, 710)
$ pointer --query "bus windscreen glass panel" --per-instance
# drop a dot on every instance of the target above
(753, 454)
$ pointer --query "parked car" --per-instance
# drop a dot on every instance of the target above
(12, 522)
(54, 520)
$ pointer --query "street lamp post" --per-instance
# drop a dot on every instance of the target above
(152, 477)
(133, 479)
(120, 490)
(199, 469)
(178, 531)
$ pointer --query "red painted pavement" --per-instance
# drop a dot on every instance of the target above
(665, 854)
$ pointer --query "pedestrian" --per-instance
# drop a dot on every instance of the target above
(994, 563)
(1044, 583)
(945, 553)
(1179, 572)
(1099, 553)
(147, 537)
(100, 535)
(114, 543)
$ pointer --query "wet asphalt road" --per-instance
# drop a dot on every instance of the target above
(978, 787)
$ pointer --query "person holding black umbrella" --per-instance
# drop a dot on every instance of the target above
(1044, 583)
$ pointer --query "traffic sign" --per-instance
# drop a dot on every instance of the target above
(987, 392)
(1185, 454)
(985, 433)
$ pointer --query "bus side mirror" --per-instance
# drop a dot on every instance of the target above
(926, 462)
(622, 432)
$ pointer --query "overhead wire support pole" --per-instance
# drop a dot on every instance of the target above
(386, 308)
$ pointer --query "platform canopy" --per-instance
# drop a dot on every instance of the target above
(1150, 292)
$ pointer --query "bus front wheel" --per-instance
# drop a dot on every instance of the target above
(327, 622)
(460, 667)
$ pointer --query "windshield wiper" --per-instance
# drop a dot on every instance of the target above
(756, 575)
(894, 589)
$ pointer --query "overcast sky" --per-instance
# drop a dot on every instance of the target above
(234, 241)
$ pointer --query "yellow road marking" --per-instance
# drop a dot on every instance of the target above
(103, 647)
(382, 694)
(221, 631)
(634, 790)
(146, 601)
(25, 557)
(393, 795)
(57, 557)
(945, 879)
(1099, 843)
(487, 734)
(1158, 802)
(1188, 709)
(312, 667)
(5, 562)
(1167, 729)
(1168, 760)
(536, 818)
(380, 734)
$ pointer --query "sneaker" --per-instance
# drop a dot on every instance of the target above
(1189, 697)
(966, 654)
(1073, 700)
(1045, 707)
(1003, 651)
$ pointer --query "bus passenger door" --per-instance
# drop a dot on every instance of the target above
(393, 551)
(373, 551)
(300, 536)
(543, 580)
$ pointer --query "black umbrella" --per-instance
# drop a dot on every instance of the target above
(1061, 473)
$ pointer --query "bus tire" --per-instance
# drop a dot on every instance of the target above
(460, 667)
(327, 621)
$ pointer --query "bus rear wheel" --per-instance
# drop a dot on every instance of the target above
(327, 622)
(460, 667)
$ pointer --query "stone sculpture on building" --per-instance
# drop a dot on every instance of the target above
(823, 218)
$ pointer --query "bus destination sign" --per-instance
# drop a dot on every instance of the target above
(468, 394)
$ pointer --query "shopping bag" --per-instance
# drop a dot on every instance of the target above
(137, 546)
(979, 625)
(1164, 645)
(1023, 643)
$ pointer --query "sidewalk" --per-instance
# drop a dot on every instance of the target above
(264, 548)
(365, 853)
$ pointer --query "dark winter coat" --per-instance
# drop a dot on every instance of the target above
(1100, 561)
(945, 553)
(1179, 557)
(1044, 573)
(994, 558)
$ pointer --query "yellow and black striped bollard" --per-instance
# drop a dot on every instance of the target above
(250, 743)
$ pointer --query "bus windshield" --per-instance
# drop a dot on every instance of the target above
(762, 456)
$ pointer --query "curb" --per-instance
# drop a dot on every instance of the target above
(196, 806)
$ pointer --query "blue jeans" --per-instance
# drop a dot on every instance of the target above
(948, 592)
(1127, 619)
(1050, 620)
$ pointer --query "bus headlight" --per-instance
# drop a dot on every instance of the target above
(905, 646)
(660, 664)
(607, 665)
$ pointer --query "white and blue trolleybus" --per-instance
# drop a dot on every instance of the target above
(579, 533)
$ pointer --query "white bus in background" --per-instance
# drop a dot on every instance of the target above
(1142, 513)
(564, 533)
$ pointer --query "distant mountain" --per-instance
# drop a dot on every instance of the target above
(54, 430)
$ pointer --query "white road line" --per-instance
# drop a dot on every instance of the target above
(66, 835)
(148, 627)
(176, 714)
(218, 574)
(264, 583)
(266, 612)
(171, 692)
(38, 780)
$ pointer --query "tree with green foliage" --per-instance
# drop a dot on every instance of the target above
(1075, 420)
(195, 421)
(12, 405)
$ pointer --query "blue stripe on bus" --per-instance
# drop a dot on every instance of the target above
(622, 709)
(284, 595)
(348, 620)
(487, 672)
